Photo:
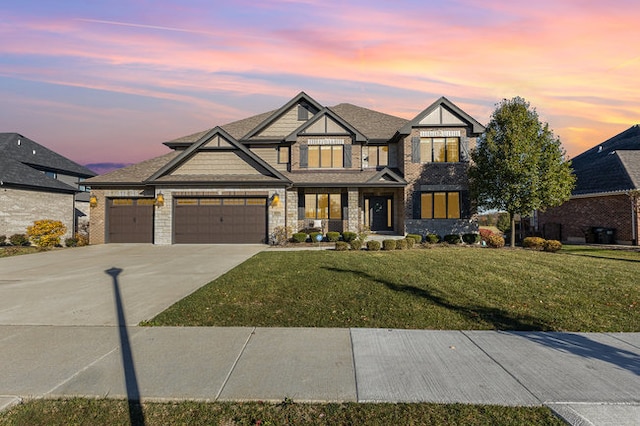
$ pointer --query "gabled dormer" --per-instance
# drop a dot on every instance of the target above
(443, 113)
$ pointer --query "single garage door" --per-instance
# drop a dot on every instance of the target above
(130, 220)
(220, 220)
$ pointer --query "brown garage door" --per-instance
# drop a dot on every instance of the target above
(130, 220)
(220, 220)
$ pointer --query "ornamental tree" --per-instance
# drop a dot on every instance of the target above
(519, 165)
(46, 232)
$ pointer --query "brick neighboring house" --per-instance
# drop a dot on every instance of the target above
(37, 183)
(302, 165)
(604, 206)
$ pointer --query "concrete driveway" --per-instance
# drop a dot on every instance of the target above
(72, 287)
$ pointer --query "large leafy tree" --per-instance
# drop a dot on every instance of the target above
(519, 165)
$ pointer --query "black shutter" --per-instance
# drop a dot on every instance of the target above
(304, 155)
(415, 149)
(300, 205)
(464, 149)
(347, 156)
(345, 205)
(465, 204)
(416, 198)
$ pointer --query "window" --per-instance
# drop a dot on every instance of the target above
(378, 156)
(283, 155)
(440, 205)
(51, 174)
(326, 156)
(323, 206)
(440, 150)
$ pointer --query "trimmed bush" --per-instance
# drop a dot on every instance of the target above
(552, 246)
(471, 238)
(3, 240)
(71, 242)
(485, 234)
(401, 244)
(452, 239)
(333, 236)
(495, 241)
(342, 246)
(314, 237)
(19, 240)
(533, 243)
(373, 245)
(389, 244)
(46, 232)
(410, 242)
(299, 237)
(417, 238)
(356, 244)
(349, 236)
(431, 238)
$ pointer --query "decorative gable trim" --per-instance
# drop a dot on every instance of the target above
(222, 141)
(326, 114)
(301, 98)
(388, 176)
(443, 112)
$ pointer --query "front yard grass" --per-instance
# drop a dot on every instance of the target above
(116, 412)
(457, 288)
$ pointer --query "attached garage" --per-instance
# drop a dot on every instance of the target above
(130, 220)
(221, 220)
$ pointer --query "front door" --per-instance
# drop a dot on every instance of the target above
(381, 213)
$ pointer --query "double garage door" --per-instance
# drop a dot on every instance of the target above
(195, 220)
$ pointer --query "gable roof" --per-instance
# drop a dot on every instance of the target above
(376, 126)
(326, 112)
(22, 162)
(133, 174)
(445, 105)
(611, 166)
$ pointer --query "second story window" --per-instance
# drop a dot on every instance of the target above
(326, 156)
(440, 150)
(378, 156)
(283, 154)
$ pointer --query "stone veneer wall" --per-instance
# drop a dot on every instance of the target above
(578, 215)
(20, 208)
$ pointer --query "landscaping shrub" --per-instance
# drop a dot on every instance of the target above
(314, 236)
(552, 246)
(373, 245)
(495, 241)
(417, 238)
(471, 238)
(3, 240)
(333, 236)
(534, 243)
(71, 242)
(431, 238)
(349, 236)
(452, 239)
(83, 239)
(46, 232)
(342, 246)
(356, 244)
(299, 237)
(504, 222)
(389, 244)
(401, 244)
(19, 240)
(410, 242)
(485, 234)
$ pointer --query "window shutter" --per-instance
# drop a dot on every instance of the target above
(464, 149)
(300, 205)
(465, 204)
(304, 155)
(416, 204)
(415, 149)
(345, 205)
(346, 151)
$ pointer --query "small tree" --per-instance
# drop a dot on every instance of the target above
(503, 222)
(46, 232)
(519, 165)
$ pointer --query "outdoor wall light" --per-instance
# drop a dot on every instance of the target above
(275, 200)
(93, 201)
(160, 200)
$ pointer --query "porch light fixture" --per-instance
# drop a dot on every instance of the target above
(93, 201)
(160, 199)
(275, 200)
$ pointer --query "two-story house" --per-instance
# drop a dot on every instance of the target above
(341, 168)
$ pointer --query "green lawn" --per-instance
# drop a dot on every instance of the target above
(114, 412)
(439, 288)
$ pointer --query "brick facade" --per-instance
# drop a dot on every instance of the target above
(578, 216)
(20, 208)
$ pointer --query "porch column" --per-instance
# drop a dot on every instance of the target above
(353, 221)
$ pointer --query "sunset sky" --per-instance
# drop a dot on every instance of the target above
(110, 81)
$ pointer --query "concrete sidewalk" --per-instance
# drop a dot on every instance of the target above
(587, 378)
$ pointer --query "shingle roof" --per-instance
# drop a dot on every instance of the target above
(614, 165)
(373, 124)
(135, 173)
(344, 178)
(23, 160)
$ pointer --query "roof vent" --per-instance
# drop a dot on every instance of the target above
(19, 142)
(600, 148)
(34, 152)
(612, 152)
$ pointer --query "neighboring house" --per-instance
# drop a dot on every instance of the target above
(303, 165)
(37, 183)
(604, 205)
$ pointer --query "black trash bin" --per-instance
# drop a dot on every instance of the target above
(604, 235)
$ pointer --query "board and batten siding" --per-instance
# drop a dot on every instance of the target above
(284, 125)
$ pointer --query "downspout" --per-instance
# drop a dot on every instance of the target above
(634, 220)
